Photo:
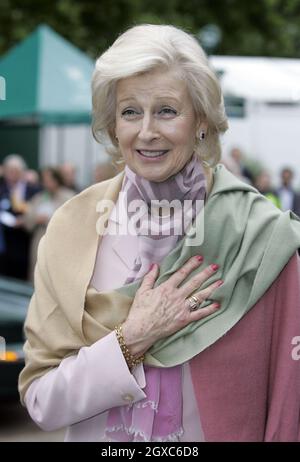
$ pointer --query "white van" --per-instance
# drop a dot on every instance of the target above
(262, 97)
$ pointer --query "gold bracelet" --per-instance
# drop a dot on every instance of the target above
(131, 360)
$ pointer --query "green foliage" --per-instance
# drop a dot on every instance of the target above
(265, 27)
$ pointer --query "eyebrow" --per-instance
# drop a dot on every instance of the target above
(159, 98)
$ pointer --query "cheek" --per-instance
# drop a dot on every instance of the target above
(181, 133)
(125, 133)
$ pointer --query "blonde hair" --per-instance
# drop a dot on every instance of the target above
(144, 48)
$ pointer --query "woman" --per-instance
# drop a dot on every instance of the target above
(263, 184)
(126, 329)
(41, 208)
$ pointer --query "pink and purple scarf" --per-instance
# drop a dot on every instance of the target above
(158, 417)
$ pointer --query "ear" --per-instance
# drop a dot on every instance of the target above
(202, 127)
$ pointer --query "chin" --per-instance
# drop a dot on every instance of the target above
(150, 176)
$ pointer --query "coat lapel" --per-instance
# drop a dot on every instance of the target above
(79, 224)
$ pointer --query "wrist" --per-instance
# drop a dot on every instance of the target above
(131, 359)
(136, 347)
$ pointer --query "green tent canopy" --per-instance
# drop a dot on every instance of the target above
(47, 81)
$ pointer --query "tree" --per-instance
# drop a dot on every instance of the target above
(267, 27)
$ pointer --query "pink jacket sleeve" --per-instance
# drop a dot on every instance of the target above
(84, 385)
(247, 384)
(283, 423)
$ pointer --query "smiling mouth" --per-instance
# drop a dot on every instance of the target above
(152, 154)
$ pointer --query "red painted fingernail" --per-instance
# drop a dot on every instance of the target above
(151, 266)
(218, 305)
(199, 257)
(214, 267)
(220, 283)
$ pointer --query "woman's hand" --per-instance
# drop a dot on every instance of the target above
(161, 311)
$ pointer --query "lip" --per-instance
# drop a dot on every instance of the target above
(152, 159)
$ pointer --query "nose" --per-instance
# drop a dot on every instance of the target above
(148, 129)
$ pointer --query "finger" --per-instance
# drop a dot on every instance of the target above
(184, 271)
(206, 293)
(204, 312)
(149, 278)
(196, 282)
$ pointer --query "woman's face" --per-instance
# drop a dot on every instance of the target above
(155, 124)
(49, 182)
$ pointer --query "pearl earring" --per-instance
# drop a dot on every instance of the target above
(201, 135)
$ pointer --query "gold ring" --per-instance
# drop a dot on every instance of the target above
(194, 303)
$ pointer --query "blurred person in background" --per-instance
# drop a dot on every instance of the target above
(164, 333)
(263, 183)
(41, 208)
(236, 165)
(15, 192)
(68, 173)
(289, 198)
(32, 177)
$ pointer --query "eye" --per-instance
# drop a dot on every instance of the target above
(168, 110)
(128, 112)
